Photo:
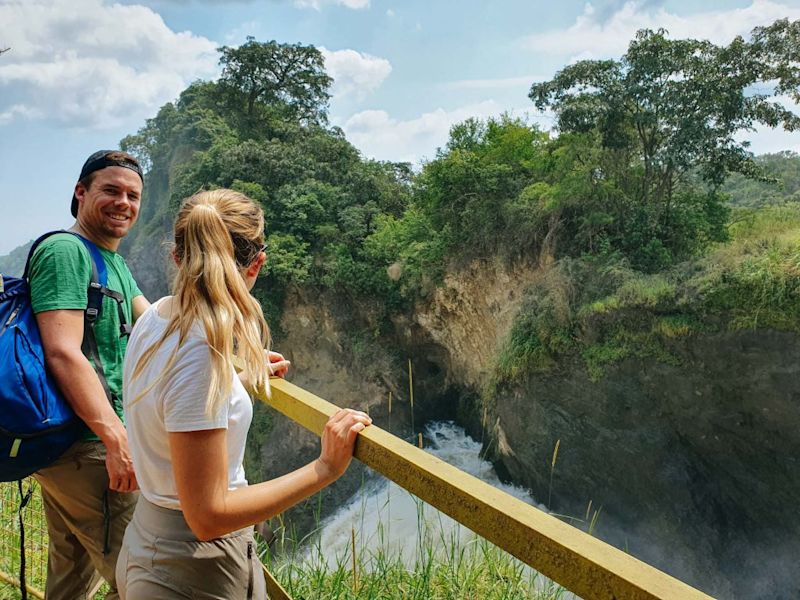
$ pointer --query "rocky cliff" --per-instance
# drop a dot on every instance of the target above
(694, 465)
(450, 340)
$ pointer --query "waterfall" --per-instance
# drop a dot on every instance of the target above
(388, 518)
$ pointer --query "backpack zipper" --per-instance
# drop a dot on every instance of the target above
(10, 320)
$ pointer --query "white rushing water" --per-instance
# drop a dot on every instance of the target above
(387, 518)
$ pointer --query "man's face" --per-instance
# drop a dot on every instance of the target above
(110, 206)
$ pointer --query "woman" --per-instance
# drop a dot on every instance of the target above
(188, 414)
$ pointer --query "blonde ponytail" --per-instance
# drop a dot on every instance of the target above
(217, 234)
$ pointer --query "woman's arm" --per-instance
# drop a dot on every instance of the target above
(200, 464)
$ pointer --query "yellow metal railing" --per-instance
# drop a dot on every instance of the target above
(579, 562)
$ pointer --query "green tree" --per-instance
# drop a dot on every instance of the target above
(676, 105)
(269, 73)
(782, 167)
(665, 114)
(484, 165)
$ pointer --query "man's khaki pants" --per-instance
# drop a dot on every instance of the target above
(72, 491)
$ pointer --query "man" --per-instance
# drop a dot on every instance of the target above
(88, 493)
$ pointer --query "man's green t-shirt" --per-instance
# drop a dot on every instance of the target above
(60, 272)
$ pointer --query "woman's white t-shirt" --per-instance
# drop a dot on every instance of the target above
(176, 403)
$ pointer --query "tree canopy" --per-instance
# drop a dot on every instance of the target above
(273, 74)
(665, 115)
(634, 174)
(676, 105)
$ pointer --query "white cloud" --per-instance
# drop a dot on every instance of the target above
(765, 140)
(382, 137)
(589, 37)
(318, 4)
(17, 110)
(89, 63)
(354, 73)
(390, 13)
(239, 34)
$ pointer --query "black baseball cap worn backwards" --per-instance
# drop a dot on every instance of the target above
(101, 160)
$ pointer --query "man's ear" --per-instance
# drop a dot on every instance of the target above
(79, 191)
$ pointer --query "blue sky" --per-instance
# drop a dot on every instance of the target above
(82, 74)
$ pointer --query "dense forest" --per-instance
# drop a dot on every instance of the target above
(643, 171)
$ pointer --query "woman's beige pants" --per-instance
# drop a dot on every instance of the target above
(162, 559)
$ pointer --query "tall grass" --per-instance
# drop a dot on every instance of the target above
(444, 568)
(35, 540)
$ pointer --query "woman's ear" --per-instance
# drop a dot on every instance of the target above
(175, 258)
(255, 267)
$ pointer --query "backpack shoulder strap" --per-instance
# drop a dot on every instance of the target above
(99, 288)
(35, 245)
(99, 279)
(99, 270)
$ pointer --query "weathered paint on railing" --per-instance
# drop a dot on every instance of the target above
(579, 562)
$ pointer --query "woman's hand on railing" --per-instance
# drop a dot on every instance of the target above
(339, 438)
(278, 365)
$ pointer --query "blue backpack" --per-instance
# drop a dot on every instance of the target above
(37, 425)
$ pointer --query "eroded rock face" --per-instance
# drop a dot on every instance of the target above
(695, 466)
(470, 316)
(451, 340)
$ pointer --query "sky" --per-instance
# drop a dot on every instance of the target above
(80, 75)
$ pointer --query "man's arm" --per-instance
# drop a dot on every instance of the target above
(62, 335)
(138, 306)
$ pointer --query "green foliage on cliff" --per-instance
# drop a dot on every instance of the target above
(601, 312)
(756, 279)
(635, 175)
(648, 142)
